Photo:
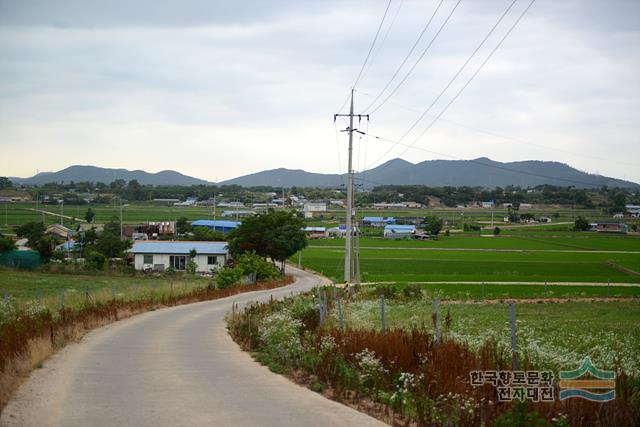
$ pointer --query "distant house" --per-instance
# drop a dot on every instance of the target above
(216, 225)
(487, 204)
(191, 201)
(316, 232)
(59, 230)
(633, 209)
(611, 227)
(161, 255)
(315, 207)
(399, 231)
(377, 221)
(150, 231)
(238, 214)
(389, 205)
(67, 246)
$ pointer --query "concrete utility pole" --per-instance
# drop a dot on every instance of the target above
(121, 233)
(348, 249)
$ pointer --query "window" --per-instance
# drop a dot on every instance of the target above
(212, 260)
(178, 262)
(148, 259)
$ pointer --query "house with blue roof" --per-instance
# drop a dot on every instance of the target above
(399, 231)
(158, 255)
(377, 221)
(216, 225)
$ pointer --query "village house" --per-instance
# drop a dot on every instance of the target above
(162, 255)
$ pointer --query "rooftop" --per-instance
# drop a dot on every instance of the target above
(179, 248)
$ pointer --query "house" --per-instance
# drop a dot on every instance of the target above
(399, 231)
(634, 210)
(611, 227)
(216, 225)
(162, 255)
(59, 230)
(487, 204)
(151, 230)
(618, 215)
(315, 207)
(68, 246)
(238, 214)
(377, 221)
(339, 231)
(389, 205)
(191, 201)
(316, 232)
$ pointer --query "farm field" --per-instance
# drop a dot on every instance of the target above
(562, 259)
(25, 286)
(550, 335)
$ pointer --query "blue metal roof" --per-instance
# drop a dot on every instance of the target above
(389, 220)
(179, 248)
(215, 223)
(319, 229)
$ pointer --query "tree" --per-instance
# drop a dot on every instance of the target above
(89, 215)
(619, 203)
(432, 225)
(274, 234)
(6, 244)
(581, 224)
(183, 226)
(207, 235)
(5, 183)
(496, 231)
(192, 267)
(32, 231)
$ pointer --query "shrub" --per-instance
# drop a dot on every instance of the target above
(250, 262)
(496, 231)
(228, 277)
(95, 260)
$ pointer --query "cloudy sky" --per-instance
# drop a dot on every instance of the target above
(219, 89)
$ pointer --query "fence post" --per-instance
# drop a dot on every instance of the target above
(483, 291)
(608, 287)
(545, 289)
(340, 319)
(62, 298)
(86, 293)
(39, 296)
(514, 357)
(436, 318)
(382, 311)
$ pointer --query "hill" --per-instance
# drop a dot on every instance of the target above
(97, 174)
(482, 172)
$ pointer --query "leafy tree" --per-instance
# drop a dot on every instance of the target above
(6, 244)
(109, 243)
(432, 225)
(32, 231)
(581, 224)
(89, 215)
(207, 235)
(496, 231)
(46, 245)
(274, 234)
(192, 267)
(619, 202)
(5, 183)
(183, 226)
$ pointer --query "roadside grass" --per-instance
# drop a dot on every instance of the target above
(26, 286)
(550, 335)
(380, 265)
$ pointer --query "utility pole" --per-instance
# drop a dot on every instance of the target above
(348, 249)
(121, 233)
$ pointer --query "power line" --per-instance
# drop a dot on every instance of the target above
(453, 79)
(372, 45)
(406, 58)
(415, 64)
(384, 39)
(472, 76)
(507, 137)
(481, 163)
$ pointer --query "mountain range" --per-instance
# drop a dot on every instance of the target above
(482, 172)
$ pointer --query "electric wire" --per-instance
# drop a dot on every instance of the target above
(355, 83)
(452, 80)
(406, 58)
(415, 64)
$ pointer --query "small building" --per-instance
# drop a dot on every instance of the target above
(399, 231)
(377, 221)
(611, 227)
(389, 205)
(59, 230)
(216, 225)
(238, 214)
(150, 231)
(191, 201)
(487, 204)
(162, 255)
(316, 232)
(315, 207)
(634, 210)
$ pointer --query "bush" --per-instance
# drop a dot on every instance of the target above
(228, 277)
(496, 231)
(250, 262)
(94, 260)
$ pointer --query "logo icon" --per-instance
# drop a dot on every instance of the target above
(571, 384)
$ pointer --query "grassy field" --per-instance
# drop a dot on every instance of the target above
(25, 286)
(550, 335)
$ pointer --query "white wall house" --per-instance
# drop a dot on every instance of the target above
(315, 207)
(159, 255)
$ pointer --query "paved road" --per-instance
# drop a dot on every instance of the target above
(171, 367)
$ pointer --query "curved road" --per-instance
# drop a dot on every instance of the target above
(171, 367)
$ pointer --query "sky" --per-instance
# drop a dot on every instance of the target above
(218, 90)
